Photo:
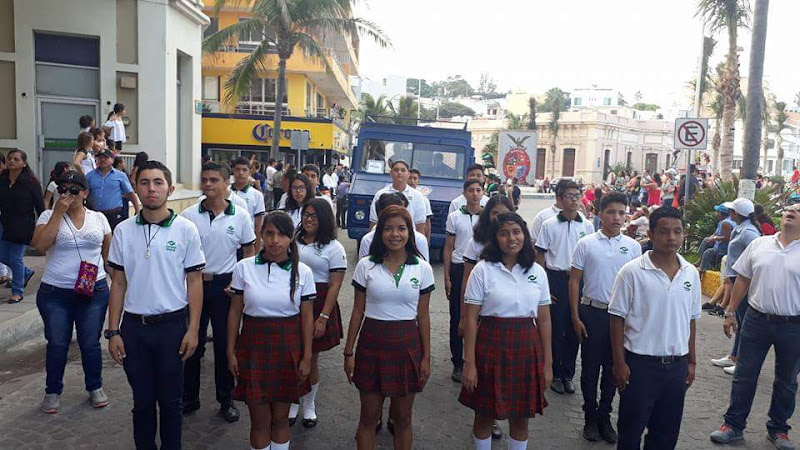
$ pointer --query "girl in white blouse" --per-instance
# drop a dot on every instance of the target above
(300, 193)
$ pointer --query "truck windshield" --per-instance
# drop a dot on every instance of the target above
(432, 160)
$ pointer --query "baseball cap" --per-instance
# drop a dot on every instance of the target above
(724, 207)
(743, 207)
(672, 171)
(72, 176)
(104, 153)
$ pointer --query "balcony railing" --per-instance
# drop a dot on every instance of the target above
(256, 108)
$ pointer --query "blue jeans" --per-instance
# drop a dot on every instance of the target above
(758, 334)
(11, 254)
(60, 310)
(741, 311)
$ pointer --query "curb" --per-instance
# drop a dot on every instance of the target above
(24, 330)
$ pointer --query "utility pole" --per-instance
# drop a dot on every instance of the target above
(698, 99)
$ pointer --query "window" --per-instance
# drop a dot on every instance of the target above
(607, 101)
(262, 90)
(629, 161)
(650, 162)
(309, 93)
(577, 101)
(433, 160)
(249, 37)
(211, 88)
(320, 102)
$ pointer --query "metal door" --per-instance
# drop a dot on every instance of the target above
(57, 129)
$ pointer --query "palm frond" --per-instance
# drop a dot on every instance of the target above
(348, 26)
(228, 35)
(312, 49)
(245, 72)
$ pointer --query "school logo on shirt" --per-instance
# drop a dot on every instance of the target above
(687, 286)
(231, 230)
(532, 279)
(171, 246)
(414, 283)
(582, 234)
(623, 250)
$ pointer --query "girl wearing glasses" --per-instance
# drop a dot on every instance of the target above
(75, 240)
(319, 249)
(300, 193)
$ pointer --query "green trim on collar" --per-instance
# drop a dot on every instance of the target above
(399, 275)
(410, 260)
(140, 220)
(246, 188)
(562, 219)
(285, 265)
(464, 210)
(229, 211)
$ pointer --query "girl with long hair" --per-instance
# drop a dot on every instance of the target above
(114, 122)
(300, 193)
(51, 193)
(140, 159)
(83, 160)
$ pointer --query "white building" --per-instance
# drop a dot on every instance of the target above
(63, 59)
(791, 148)
(393, 87)
(593, 97)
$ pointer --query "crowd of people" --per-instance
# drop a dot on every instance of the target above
(258, 259)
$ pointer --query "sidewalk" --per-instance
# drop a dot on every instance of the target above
(20, 324)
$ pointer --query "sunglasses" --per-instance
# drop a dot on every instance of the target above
(74, 190)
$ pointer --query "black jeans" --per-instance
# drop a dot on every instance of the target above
(155, 373)
(596, 354)
(456, 343)
(216, 305)
(653, 400)
(341, 214)
(564, 340)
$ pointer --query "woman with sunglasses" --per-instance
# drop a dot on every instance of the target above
(75, 240)
(300, 193)
(319, 250)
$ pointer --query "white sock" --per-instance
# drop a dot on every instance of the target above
(293, 409)
(309, 405)
(513, 444)
(482, 444)
(276, 446)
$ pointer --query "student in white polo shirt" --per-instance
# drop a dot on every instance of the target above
(654, 305)
(158, 259)
(458, 229)
(312, 172)
(392, 297)
(556, 244)
(474, 171)
(223, 227)
(551, 211)
(252, 196)
(414, 176)
(768, 272)
(271, 358)
(507, 359)
(388, 199)
(597, 259)
(416, 206)
(300, 193)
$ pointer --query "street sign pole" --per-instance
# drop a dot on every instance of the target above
(690, 134)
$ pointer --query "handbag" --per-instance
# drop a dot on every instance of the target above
(87, 272)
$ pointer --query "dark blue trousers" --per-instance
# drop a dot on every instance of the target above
(216, 305)
(653, 400)
(564, 340)
(155, 373)
(456, 344)
(596, 355)
(758, 334)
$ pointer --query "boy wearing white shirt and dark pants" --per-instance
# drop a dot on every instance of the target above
(555, 244)
(159, 254)
(416, 205)
(654, 304)
(596, 262)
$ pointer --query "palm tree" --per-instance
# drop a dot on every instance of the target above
(378, 109)
(766, 117)
(554, 101)
(406, 113)
(284, 27)
(515, 122)
(532, 113)
(780, 125)
(730, 15)
(717, 106)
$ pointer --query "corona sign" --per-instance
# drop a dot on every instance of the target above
(264, 132)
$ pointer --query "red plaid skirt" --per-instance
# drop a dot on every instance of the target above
(510, 364)
(388, 357)
(333, 331)
(269, 351)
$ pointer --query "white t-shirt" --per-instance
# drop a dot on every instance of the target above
(222, 235)
(390, 298)
(642, 225)
(538, 220)
(270, 172)
(52, 188)
(472, 254)
(600, 258)
(559, 237)
(265, 287)
(329, 181)
(774, 273)
(282, 201)
(156, 285)
(88, 164)
(63, 261)
(419, 239)
(254, 199)
(657, 312)
(460, 201)
(323, 260)
(460, 225)
(503, 293)
(428, 209)
(117, 130)
(416, 206)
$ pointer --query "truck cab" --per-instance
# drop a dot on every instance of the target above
(442, 156)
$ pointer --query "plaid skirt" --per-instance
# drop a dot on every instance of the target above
(388, 357)
(510, 364)
(269, 351)
(333, 331)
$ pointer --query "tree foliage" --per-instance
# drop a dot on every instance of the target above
(645, 106)
(451, 109)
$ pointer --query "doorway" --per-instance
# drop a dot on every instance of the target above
(606, 162)
(568, 164)
(57, 129)
(541, 155)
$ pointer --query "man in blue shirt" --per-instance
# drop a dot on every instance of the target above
(107, 188)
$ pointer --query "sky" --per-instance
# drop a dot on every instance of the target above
(651, 46)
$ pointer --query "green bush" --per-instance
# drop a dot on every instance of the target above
(701, 214)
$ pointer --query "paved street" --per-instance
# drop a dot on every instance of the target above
(440, 422)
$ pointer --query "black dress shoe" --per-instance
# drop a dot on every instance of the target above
(229, 412)
(606, 430)
(590, 430)
(557, 386)
(390, 425)
(457, 374)
(309, 423)
(497, 432)
(569, 386)
(190, 407)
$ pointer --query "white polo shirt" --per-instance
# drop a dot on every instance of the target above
(538, 220)
(254, 200)
(393, 297)
(156, 285)
(233, 198)
(416, 206)
(460, 225)
(657, 311)
(774, 273)
(503, 293)
(559, 237)
(323, 260)
(472, 254)
(600, 258)
(428, 209)
(460, 201)
(265, 286)
(419, 239)
(296, 215)
(221, 235)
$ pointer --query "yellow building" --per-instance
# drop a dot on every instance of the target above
(318, 100)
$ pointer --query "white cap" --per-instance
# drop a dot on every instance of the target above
(743, 207)
(672, 171)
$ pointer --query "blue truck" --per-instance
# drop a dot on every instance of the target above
(442, 155)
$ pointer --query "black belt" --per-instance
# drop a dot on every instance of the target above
(665, 360)
(208, 277)
(774, 317)
(157, 318)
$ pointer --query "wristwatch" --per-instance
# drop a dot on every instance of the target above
(727, 314)
(111, 333)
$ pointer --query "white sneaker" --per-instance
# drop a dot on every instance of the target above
(730, 369)
(724, 362)
(99, 398)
